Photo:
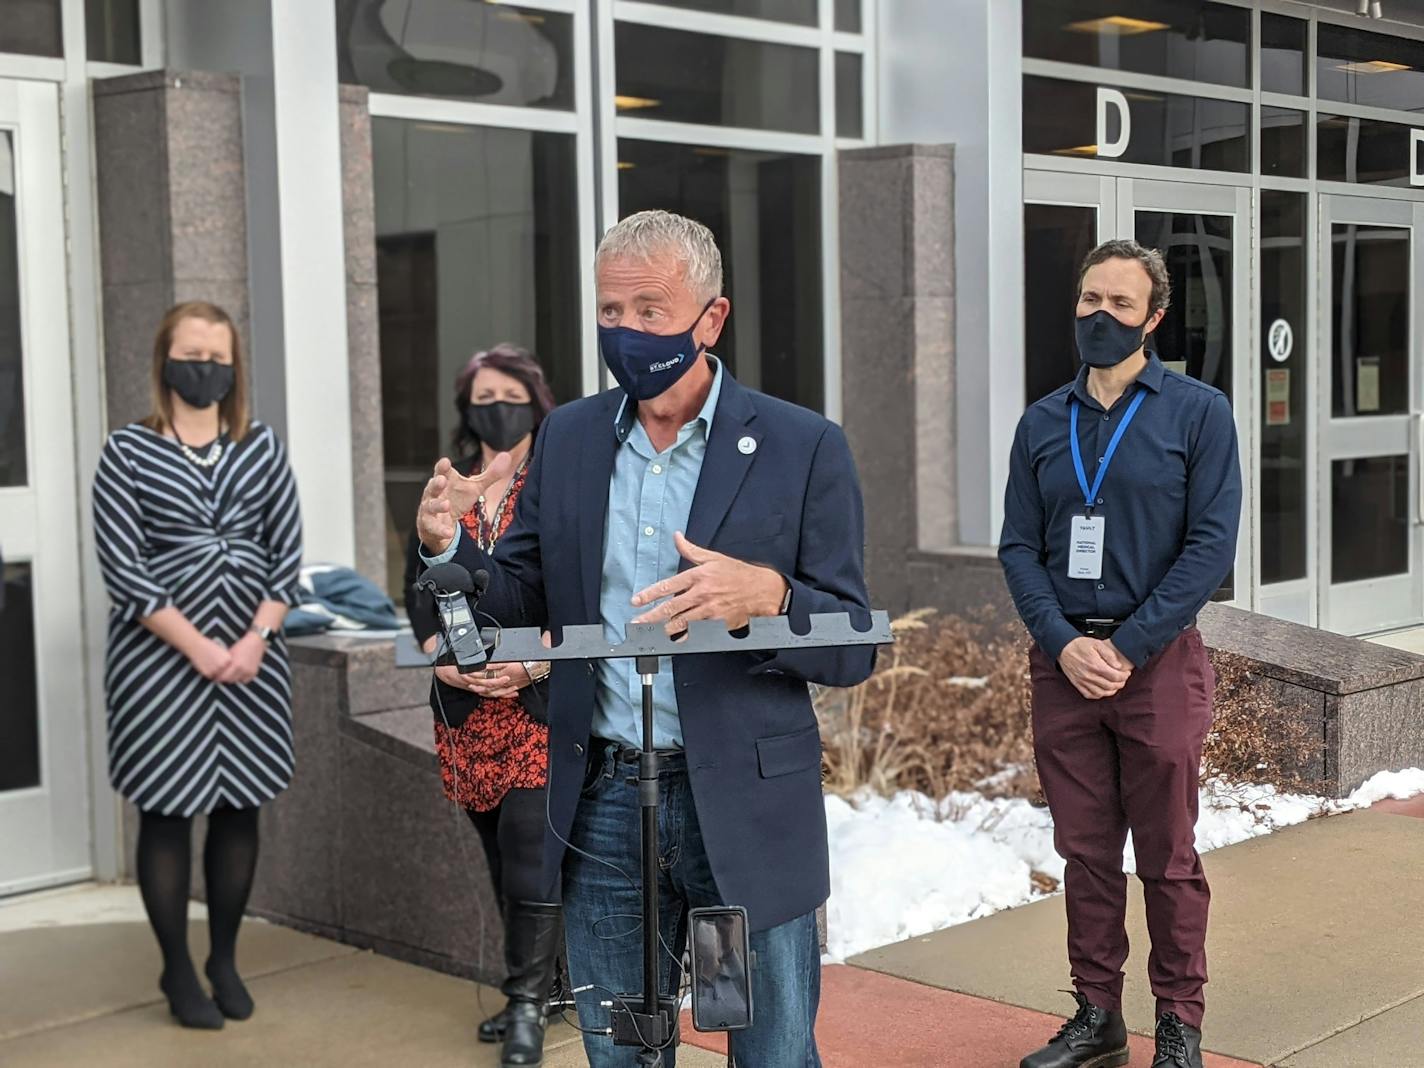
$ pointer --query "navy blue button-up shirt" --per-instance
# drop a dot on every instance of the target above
(1171, 504)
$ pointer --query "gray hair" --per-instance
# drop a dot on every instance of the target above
(1150, 259)
(649, 235)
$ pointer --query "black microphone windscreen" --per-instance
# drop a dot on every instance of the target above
(481, 578)
(449, 577)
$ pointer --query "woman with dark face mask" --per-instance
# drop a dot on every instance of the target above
(200, 542)
(491, 732)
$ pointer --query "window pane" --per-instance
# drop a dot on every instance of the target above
(765, 211)
(32, 27)
(850, 108)
(111, 31)
(482, 50)
(19, 712)
(1369, 320)
(1365, 150)
(1283, 42)
(801, 12)
(720, 81)
(1060, 118)
(1195, 336)
(848, 16)
(1192, 39)
(1283, 142)
(1369, 518)
(476, 243)
(1369, 68)
(1057, 237)
(1284, 420)
(12, 385)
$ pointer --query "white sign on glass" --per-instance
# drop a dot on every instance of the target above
(1280, 340)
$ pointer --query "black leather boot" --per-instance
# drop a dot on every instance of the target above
(492, 1029)
(1094, 1038)
(531, 945)
(1178, 1044)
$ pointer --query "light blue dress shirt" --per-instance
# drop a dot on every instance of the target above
(649, 499)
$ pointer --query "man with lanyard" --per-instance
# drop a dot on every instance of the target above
(1120, 520)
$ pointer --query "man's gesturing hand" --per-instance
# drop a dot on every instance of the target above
(715, 587)
(1095, 667)
(449, 495)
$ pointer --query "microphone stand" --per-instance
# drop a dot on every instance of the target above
(647, 1020)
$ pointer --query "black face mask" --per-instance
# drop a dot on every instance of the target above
(201, 383)
(1103, 341)
(500, 425)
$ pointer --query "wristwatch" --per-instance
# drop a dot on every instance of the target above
(786, 600)
(537, 670)
(265, 633)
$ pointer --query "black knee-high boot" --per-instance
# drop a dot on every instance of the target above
(531, 945)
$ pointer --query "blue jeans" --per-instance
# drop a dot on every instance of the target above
(603, 929)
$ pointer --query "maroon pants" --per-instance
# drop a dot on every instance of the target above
(1130, 761)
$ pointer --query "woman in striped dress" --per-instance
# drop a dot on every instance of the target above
(199, 540)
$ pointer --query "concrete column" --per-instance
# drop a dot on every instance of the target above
(897, 344)
(168, 159)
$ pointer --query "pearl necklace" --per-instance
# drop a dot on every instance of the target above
(203, 461)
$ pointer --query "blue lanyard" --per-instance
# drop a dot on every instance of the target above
(1091, 495)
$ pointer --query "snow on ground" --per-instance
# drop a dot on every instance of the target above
(908, 865)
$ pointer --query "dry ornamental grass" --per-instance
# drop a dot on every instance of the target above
(948, 708)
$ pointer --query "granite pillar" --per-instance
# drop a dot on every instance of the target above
(363, 337)
(168, 159)
(897, 331)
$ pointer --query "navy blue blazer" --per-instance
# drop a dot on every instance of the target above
(753, 747)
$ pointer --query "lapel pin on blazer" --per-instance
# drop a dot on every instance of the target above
(747, 445)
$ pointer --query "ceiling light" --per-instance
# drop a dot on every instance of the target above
(1373, 66)
(635, 103)
(623, 165)
(1120, 25)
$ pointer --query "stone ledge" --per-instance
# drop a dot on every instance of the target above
(210, 81)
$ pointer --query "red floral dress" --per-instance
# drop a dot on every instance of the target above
(499, 747)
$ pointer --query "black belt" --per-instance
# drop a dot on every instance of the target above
(1102, 629)
(624, 754)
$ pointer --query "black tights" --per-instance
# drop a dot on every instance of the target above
(512, 835)
(164, 861)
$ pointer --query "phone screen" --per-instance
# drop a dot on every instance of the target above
(721, 971)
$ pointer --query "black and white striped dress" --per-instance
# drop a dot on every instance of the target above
(213, 542)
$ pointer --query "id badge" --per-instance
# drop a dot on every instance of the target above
(1085, 550)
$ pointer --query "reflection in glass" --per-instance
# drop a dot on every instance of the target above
(111, 31)
(1369, 339)
(801, 12)
(481, 50)
(31, 27)
(1283, 43)
(1057, 237)
(13, 462)
(848, 16)
(850, 108)
(1191, 39)
(476, 243)
(19, 712)
(765, 211)
(1283, 149)
(1369, 68)
(1195, 336)
(1369, 518)
(1060, 118)
(1365, 150)
(719, 81)
(1284, 421)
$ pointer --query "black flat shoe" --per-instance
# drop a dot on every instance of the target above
(229, 992)
(1093, 1038)
(190, 1005)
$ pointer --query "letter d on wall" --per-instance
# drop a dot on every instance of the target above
(1416, 151)
(1112, 149)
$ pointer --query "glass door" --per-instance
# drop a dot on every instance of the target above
(1370, 414)
(1202, 231)
(44, 797)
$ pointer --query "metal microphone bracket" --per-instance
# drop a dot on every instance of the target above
(646, 1020)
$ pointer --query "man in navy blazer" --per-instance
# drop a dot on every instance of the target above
(680, 496)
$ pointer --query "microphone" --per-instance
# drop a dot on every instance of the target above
(456, 594)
